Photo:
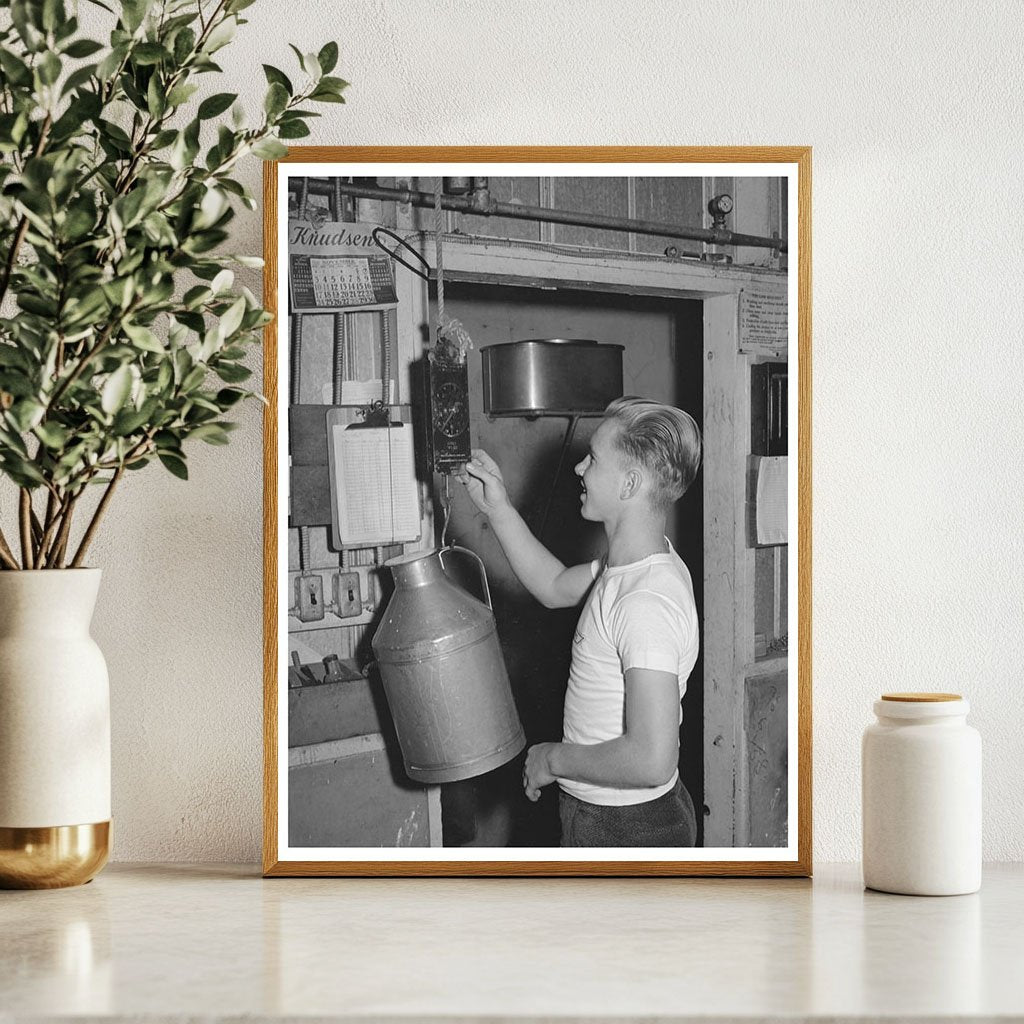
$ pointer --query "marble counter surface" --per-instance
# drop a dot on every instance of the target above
(175, 942)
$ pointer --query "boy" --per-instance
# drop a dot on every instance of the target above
(637, 638)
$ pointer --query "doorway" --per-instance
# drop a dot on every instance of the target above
(663, 359)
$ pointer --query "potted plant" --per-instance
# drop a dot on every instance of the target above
(122, 340)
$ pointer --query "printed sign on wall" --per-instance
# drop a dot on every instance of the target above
(764, 318)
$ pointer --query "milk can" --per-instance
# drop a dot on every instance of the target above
(921, 778)
(443, 672)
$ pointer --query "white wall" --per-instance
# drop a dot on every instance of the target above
(914, 113)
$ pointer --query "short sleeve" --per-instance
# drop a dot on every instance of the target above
(651, 632)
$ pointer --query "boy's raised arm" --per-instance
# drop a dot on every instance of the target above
(543, 575)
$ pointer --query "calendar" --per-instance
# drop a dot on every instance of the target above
(341, 282)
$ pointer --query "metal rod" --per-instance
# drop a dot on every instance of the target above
(483, 205)
(570, 432)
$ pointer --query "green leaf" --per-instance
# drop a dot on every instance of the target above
(144, 338)
(149, 53)
(193, 379)
(232, 373)
(165, 376)
(333, 84)
(78, 78)
(278, 77)
(269, 149)
(215, 105)
(116, 390)
(293, 130)
(49, 68)
(109, 65)
(227, 397)
(83, 48)
(16, 383)
(21, 471)
(26, 414)
(232, 319)
(119, 291)
(133, 13)
(53, 435)
(328, 57)
(221, 35)
(26, 21)
(53, 15)
(128, 421)
(156, 101)
(323, 96)
(11, 356)
(276, 100)
(175, 465)
(181, 94)
(211, 433)
(222, 282)
(311, 65)
(129, 207)
(35, 304)
(115, 133)
(14, 68)
(195, 297)
(184, 44)
(163, 139)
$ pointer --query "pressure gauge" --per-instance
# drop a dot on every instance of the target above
(720, 205)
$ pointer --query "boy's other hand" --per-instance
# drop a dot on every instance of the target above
(537, 770)
(483, 482)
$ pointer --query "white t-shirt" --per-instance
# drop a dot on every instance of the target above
(640, 615)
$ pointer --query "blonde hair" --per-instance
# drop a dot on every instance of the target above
(661, 438)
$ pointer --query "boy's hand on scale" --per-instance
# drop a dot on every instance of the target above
(483, 482)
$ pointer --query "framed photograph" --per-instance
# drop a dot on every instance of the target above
(537, 511)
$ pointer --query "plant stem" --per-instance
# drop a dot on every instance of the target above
(12, 255)
(61, 543)
(25, 521)
(54, 511)
(87, 357)
(19, 234)
(6, 555)
(96, 517)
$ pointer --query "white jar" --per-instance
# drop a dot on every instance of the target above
(921, 778)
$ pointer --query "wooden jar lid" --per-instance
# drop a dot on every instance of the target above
(921, 698)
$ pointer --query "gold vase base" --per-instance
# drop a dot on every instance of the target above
(53, 857)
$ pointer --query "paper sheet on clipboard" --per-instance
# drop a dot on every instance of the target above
(375, 489)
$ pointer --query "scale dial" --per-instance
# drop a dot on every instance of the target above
(452, 415)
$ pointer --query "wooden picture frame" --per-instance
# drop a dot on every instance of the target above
(750, 306)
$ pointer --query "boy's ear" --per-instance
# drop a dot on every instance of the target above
(632, 484)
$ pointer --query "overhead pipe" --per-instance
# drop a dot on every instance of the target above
(482, 204)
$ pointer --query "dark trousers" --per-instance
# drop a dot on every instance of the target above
(667, 821)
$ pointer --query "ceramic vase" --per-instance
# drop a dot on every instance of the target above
(921, 777)
(54, 731)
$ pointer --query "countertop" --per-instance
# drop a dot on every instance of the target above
(174, 942)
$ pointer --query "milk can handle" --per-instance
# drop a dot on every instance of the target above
(483, 571)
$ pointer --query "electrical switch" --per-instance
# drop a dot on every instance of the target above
(347, 599)
(309, 594)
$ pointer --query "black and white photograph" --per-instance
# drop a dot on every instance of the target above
(537, 578)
